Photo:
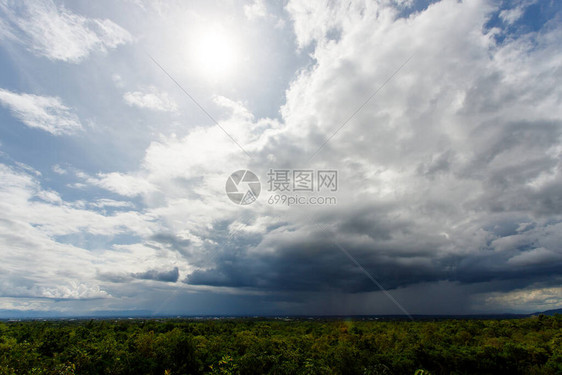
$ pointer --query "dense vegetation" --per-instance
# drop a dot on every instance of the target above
(525, 346)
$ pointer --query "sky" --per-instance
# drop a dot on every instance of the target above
(280, 157)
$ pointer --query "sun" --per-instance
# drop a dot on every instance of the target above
(215, 54)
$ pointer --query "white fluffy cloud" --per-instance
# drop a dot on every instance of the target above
(37, 225)
(57, 33)
(511, 15)
(256, 9)
(123, 184)
(532, 299)
(152, 99)
(43, 112)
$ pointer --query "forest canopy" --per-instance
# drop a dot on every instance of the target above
(273, 346)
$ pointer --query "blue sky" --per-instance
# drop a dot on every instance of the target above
(112, 187)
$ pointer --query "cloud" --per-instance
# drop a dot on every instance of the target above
(57, 33)
(74, 291)
(104, 203)
(437, 172)
(256, 9)
(49, 196)
(24, 201)
(531, 299)
(535, 256)
(117, 80)
(315, 19)
(5, 32)
(172, 241)
(41, 236)
(448, 178)
(512, 15)
(125, 184)
(509, 16)
(122, 184)
(59, 170)
(153, 99)
(170, 276)
(43, 112)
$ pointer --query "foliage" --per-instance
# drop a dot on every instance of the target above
(258, 346)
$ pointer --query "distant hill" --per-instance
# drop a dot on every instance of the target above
(42, 314)
(548, 312)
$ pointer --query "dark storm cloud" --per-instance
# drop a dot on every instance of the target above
(395, 253)
(170, 276)
(373, 222)
(326, 268)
